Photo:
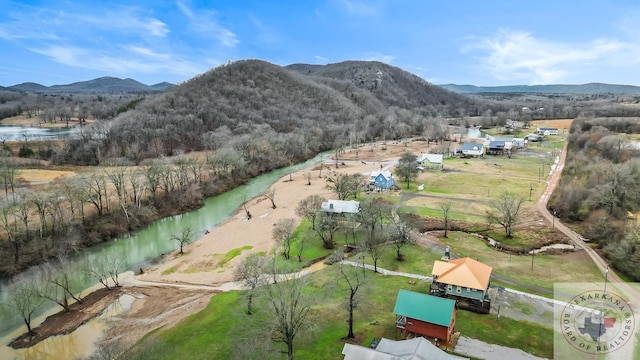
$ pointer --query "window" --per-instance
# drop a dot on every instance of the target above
(458, 289)
(468, 289)
(449, 288)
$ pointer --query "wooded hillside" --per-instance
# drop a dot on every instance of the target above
(239, 104)
(600, 188)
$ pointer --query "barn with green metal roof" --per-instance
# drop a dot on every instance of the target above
(425, 315)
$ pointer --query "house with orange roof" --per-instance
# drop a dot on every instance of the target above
(464, 279)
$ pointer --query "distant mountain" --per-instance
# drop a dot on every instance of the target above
(28, 87)
(105, 84)
(591, 88)
(162, 86)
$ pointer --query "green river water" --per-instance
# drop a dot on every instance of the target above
(148, 244)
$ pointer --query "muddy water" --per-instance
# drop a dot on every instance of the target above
(76, 345)
(143, 247)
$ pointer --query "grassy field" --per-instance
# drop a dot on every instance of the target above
(471, 184)
(222, 329)
(23, 120)
(547, 269)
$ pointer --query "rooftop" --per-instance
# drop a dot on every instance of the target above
(464, 272)
(427, 308)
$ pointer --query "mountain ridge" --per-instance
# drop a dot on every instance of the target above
(105, 84)
(110, 84)
(589, 88)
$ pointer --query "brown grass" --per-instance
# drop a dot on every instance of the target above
(561, 124)
(23, 120)
(40, 175)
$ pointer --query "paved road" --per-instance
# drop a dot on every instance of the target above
(577, 239)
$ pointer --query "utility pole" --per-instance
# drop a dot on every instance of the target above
(530, 191)
(533, 255)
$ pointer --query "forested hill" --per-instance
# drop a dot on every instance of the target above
(247, 104)
(391, 85)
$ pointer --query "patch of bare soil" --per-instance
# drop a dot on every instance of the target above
(154, 307)
(62, 323)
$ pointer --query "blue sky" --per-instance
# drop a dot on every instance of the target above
(479, 42)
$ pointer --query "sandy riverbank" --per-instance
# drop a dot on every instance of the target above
(201, 261)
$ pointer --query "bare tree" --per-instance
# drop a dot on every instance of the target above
(41, 202)
(283, 233)
(251, 272)
(24, 299)
(353, 280)
(118, 176)
(326, 229)
(399, 235)
(184, 238)
(104, 269)
(375, 246)
(289, 310)
(373, 212)
(300, 247)
(407, 167)
(507, 209)
(95, 192)
(9, 220)
(8, 173)
(55, 277)
(446, 209)
(137, 186)
(271, 195)
(309, 208)
(345, 185)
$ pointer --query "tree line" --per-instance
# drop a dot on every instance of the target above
(74, 212)
(50, 108)
(600, 187)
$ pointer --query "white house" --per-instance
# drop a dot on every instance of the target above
(431, 161)
(340, 206)
(472, 149)
(414, 349)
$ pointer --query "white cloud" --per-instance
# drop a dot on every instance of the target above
(125, 63)
(185, 10)
(266, 34)
(204, 23)
(53, 24)
(147, 52)
(387, 59)
(123, 40)
(321, 59)
(519, 56)
(361, 8)
(124, 20)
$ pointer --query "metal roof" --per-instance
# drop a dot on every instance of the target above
(413, 349)
(341, 206)
(464, 272)
(423, 307)
(432, 158)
